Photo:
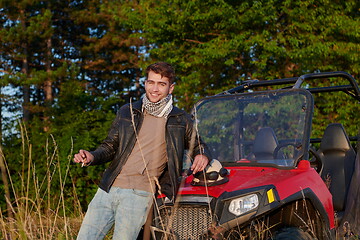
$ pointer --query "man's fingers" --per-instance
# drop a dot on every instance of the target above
(83, 154)
(77, 158)
(200, 162)
(194, 169)
(81, 157)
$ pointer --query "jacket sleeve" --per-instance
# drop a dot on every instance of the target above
(107, 149)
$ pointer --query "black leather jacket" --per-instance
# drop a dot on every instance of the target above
(121, 139)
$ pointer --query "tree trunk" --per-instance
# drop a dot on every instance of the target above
(26, 88)
(1, 105)
(5, 181)
(25, 71)
(48, 86)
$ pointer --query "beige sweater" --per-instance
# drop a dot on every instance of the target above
(148, 158)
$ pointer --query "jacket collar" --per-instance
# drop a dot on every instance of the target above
(137, 105)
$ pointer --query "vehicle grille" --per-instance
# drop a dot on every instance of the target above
(186, 222)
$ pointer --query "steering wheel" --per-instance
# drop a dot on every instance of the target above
(316, 161)
(295, 146)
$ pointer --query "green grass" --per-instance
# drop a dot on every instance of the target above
(33, 209)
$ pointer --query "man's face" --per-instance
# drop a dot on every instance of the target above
(157, 87)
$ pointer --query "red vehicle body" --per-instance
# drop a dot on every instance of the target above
(286, 182)
(272, 183)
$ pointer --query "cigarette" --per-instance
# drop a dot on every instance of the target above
(83, 163)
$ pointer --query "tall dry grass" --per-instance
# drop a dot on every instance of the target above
(34, 210)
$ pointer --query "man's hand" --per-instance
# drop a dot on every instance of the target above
(83, 157)
(199, 164)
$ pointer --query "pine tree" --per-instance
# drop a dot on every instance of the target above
(217, 44)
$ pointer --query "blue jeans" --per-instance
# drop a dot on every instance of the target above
(126, 208)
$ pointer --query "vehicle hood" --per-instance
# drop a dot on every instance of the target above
(241, 178)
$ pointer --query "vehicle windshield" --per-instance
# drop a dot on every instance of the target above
(266, 128)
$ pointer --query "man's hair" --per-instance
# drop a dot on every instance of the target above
(162, 68)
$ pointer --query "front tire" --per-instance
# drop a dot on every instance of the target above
(292, 233)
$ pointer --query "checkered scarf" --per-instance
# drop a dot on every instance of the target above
(161, 108)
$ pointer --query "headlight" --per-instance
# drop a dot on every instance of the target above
(242, 205)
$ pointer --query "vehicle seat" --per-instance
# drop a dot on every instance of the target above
(338, 159)
(264, 144)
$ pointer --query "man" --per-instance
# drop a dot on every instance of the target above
(146, 145)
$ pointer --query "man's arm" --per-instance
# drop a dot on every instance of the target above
(199, 149)
(106, 150)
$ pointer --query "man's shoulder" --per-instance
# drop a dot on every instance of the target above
(126, 109)
(180, 115)
(134, 105)
(177, 111)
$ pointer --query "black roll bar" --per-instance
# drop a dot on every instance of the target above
(296, 82)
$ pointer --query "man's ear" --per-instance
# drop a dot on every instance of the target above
(171, 89)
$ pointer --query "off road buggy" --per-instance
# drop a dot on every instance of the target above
(267, 180)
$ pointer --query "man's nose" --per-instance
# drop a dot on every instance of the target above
(156, 87)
